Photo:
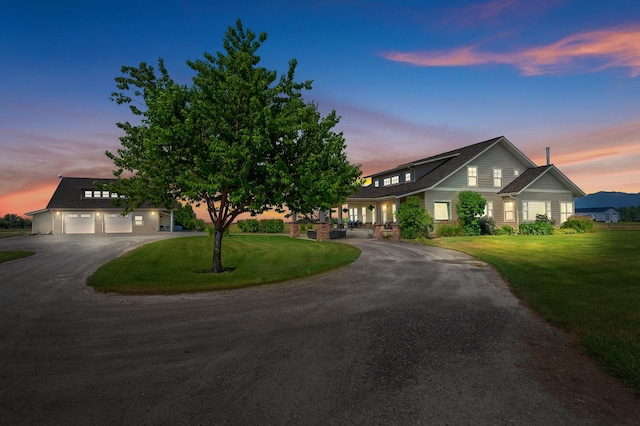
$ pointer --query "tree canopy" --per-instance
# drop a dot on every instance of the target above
(239, 139)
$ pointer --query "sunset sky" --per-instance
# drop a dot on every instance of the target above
(409, 78)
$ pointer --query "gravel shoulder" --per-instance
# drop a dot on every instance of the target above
(406, 334)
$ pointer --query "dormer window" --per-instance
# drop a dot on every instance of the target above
(376, 183)
(395, 179)
(407, 177)
(387, 181)
(88, 194)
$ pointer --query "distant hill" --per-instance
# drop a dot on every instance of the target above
(608, 199)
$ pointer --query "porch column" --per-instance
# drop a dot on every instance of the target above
(171, 223)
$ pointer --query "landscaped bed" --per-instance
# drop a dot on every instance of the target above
(587, 284)
(183, 265)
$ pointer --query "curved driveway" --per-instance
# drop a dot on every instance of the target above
(407, 334)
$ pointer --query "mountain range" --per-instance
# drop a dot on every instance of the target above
(608, 199)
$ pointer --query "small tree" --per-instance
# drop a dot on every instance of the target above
(413, 219)
(239, 140)
(470, 208)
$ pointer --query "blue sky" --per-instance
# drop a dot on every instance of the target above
(409, 78)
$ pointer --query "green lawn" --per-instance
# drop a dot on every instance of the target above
(182, 265)
(587, 284)
(6, 233)
(6, 256)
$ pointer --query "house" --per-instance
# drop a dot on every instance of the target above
(515, 188)
(78, 207)
(600, 214)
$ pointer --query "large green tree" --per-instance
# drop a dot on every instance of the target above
(239, 139)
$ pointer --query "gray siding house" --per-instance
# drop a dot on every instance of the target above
(77, 207)
(516, 189)
(600, 214)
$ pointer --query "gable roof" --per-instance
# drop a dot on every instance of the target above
(452, 162)
(70, 195)
(526, 179)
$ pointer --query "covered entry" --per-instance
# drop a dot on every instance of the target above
(78, 223)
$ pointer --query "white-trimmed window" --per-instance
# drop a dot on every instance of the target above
(472, 176)
(364, 214)
(566, 211)
(138, 220)
(106, 194)
(516, 172)
(509, 212)
(72, 214)
(407, 177)
(530, 209)
(376, 183)
(441, 210)
(387, 181)
(395, 179)
(384, 213)
(88, 194)
(497, 178)
(114, 195)
(488, 209)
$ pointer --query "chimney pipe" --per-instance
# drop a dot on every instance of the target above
(548, 156)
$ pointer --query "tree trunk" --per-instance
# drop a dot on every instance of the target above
(217, 252)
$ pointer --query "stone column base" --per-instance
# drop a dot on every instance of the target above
(294, 231)
(395, 233)
(323, 231)
(378, 232)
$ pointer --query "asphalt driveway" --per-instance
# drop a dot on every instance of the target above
(407, 334)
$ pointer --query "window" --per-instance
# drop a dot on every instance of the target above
(395, 179)
(88, 194)
(441, 210)
(488, 209)
(509, 215)
(72, 214)
(85, 215)
(384, 213)
(407, 177)
(532, 208)
(376, 183)
(566, 211)
(472, 176)
(497, 178)
(516, 172)
(105, 194)
(364, 214)
(387, 181)
(138, 221)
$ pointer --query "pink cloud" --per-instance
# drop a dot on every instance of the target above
(589, 51)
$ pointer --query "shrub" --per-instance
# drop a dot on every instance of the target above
(271, 226)
(564, 231)
(487, 225)
(448, 230)
(579, 223)
(469, 208)
(505, 230)
(536, 228)
(249, 225)
(543, 218)
(413, 219)
(303, 228)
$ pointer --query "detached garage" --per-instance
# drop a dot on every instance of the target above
(80, 206)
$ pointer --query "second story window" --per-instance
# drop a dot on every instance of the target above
(472, 176)
(407, 177)
(497, 178)
(376, 183)
(387, 181)
(395, 179)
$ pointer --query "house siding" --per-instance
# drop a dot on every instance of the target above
(548, 182)
(42, 223)
(497, 157)
(554, 197)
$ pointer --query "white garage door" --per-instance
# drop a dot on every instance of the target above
(79, 223)
(114, 223)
